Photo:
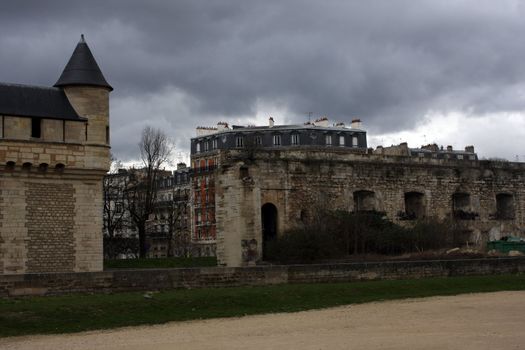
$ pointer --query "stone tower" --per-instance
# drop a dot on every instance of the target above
(88, 92)
(54, 153)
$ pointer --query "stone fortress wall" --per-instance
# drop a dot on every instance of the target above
(488, 197)
(51, 171)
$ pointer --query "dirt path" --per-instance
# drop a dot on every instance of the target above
(474, 321)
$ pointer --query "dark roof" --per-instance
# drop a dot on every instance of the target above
(35, 101)
(82, 69)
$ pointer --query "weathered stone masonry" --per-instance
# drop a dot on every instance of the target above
(54, 153)
(297, 182)
(50, 220)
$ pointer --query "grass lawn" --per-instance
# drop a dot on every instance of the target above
(74, 313)
(159, 263)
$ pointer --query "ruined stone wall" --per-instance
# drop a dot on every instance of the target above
(299, 183)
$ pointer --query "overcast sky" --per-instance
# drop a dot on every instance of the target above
(451, 72)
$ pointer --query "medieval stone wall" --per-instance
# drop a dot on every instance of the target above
(50, 222)
(300, 182)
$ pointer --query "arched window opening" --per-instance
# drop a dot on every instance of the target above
(269, 224)
(364, 201)
(414, 205)
(504, 206)
(461, 207)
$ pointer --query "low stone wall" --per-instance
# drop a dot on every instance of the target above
(163, 279)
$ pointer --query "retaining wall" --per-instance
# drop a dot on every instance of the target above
(163, 279)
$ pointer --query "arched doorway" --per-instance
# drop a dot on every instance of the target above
(269, 224)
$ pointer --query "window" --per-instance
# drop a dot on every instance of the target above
(355, 141)
(460, 156)
(341, 140)
(414, 205)
(206, 144)
(239, 141)
(328, 139)
(198, 147)
(504, 206)
(214, 143)
(258, 140)
(295, 139)
(36, 127)
(276, 140)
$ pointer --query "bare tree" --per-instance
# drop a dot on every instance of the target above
(176, 219)
(155, 150)
(114, 211)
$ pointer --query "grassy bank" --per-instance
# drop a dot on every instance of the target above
(159, 263)
(76, 313)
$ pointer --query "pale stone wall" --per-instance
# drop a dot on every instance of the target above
(17, 128)
(51, 210)
(50, 222)
(93, 103)
(13, 229)
(88, 225)
(75, 132)
(298, 183)
(52, 130)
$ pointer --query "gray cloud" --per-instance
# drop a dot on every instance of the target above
(187, 63)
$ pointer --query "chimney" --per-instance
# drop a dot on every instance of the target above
(181, 166)
(379, 150)
(323, 122)
(270, 122)
(449, 148)
(469, 149)
(356, 124)
(340, 125)
(222, 126)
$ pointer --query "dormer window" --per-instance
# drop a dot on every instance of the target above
(198, 147)
(295, 139)
(258, 140)
(355, 141)
(276, 140)
(239, 141)
(342, 140)
(36, 127)
(328, 139)
(214, 144)
(206, 144)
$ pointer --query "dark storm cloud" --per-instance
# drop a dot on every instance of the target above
(388, 62)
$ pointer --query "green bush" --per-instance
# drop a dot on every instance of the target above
(344, 233)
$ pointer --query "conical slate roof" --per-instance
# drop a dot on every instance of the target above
(82, 69)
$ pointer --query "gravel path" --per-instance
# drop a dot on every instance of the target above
(473, 321)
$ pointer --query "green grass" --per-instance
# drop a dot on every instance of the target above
(159, 263)
(74, 313)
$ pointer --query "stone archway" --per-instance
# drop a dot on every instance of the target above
(269, 224)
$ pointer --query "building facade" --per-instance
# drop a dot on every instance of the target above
(261, 192)
(54, 152)
(169, 227)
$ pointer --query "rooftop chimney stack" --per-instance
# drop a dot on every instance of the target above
(270, 122)
(469, 149)
(323, 122)
(222, 126)
(449, 148)
(356, 124)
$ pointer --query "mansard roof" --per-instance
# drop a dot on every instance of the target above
(82, 69)
(36, 101)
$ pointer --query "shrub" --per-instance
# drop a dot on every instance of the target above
(344, 233)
